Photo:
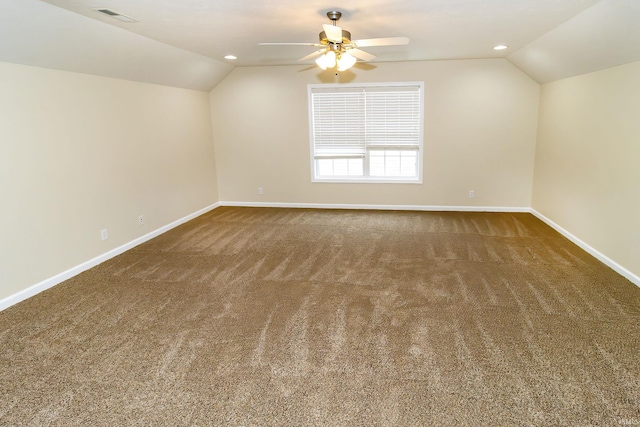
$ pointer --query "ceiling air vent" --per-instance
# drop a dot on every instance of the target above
(115, 15)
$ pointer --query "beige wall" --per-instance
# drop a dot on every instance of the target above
(480, 130)
(82, 153)
(587, 167)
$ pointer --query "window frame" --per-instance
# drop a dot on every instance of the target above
(366, 178)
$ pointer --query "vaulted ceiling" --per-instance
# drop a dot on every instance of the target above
(183, 43)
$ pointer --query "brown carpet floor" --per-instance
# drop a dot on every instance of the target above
(258, 316)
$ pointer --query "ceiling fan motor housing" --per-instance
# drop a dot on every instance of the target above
(346, 37)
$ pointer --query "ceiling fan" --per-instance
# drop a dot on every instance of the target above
(338, 50)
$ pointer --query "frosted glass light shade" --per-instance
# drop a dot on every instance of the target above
(345, 62)
(328, 60)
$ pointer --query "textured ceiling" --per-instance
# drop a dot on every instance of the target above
(183, 43)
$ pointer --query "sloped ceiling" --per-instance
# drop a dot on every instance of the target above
(183, 43)
(39, 34)
(603, 36)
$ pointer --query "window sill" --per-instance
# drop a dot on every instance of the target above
(366, 181)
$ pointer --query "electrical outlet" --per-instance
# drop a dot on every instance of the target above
(104, 234)
(260, 191)
(140, 220)
(472, 194)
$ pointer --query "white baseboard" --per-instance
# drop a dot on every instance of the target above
(378, 207)
(59, 278)
(589, 249)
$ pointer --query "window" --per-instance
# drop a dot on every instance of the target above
(366, 132)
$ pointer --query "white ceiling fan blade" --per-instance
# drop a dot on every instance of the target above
(385, 41)
(313, 55)
(361, 54)
(289, 44)
(333, 32)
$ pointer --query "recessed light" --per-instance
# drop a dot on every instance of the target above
(230, 57)
(500, 47)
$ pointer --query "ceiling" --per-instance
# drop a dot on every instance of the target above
(183, 43)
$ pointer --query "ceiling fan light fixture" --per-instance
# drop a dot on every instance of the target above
(328, 60)
(321, 62)
(346, 61)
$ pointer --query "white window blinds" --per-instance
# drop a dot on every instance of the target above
(393, 117)
(338, 119)
(349, 120)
